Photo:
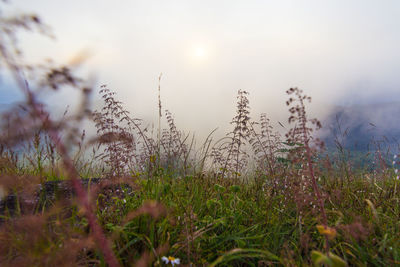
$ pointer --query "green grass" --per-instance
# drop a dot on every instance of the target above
(221, 207)
(208, 218)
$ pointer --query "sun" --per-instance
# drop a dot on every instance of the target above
(199, 52)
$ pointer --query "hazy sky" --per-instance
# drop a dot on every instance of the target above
(338, 51)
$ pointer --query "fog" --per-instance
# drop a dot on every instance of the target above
(339, 52)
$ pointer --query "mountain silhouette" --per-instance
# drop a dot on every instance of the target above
(366, 127)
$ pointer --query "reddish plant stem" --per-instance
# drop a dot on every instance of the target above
(83, 199)
(313, 179)
(311, 170)
(101, 240)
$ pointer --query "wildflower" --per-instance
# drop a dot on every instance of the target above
(327, 231)
(171, 260)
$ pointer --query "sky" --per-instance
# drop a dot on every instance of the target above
(340, 52)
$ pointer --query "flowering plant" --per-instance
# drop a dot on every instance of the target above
(171, 260)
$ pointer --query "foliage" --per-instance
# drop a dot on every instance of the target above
(165, 199)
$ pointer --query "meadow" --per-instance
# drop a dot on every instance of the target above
(252, 198)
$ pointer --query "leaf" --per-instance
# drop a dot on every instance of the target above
(318, 258)
(372, 209)
(238, 253)
(337, 261)
(219, 188)
(235, 188)
(212, 203)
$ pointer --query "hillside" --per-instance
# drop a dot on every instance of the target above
(363, 127)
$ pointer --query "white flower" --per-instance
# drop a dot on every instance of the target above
(171, 260)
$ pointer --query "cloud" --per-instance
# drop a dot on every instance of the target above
(336, 51)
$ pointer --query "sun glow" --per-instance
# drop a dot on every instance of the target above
(199, 52)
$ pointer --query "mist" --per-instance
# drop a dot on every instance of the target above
(339, 52)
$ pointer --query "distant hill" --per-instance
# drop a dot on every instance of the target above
(362, 127)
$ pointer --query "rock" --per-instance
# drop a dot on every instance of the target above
(49, 192)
